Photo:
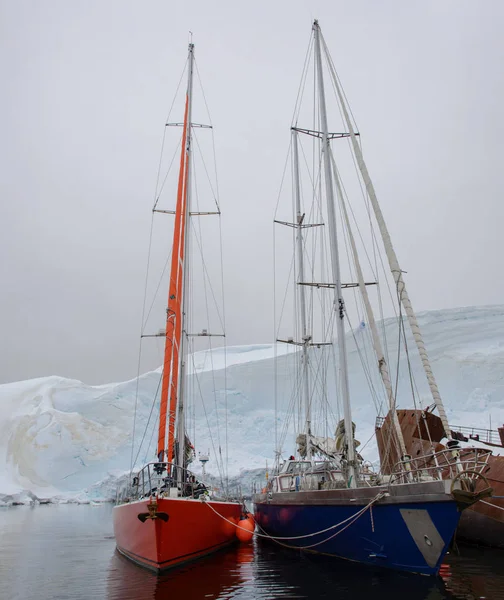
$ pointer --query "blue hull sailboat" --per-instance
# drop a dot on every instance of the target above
(327, 499)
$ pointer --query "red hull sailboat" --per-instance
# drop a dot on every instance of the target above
(166, 517)
(191, 531)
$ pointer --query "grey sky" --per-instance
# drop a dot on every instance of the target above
(86, 89)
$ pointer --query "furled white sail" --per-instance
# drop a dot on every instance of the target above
(382, 363)
(391, 255)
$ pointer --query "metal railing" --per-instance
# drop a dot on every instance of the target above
(477, 434)
(445, 464)
(466, 434)
(162, 479)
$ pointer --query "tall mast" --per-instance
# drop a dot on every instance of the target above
(392, 259)
(185, 271)
(380, 355)
(170, 382)
(339, 304)
(302, 300)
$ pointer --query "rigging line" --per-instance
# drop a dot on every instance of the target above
(362, 448)
(409, 363)
(336, 381)
(202, 90)
(291, 413)
(302, 83)
(164, 133)
(225, 355)
(330, 61)
(206, 308)
(293, 401)
(283, 177)
(398, 346)
(317, 381)
(311, 259)
(349, 204)
(205, 167)
(492, 505)
(156, 197)
(275, 346)
(215, 171)
(140, 343)
(296, 311)
(216, 193)
(156, 292)
(148, 421)
(392, 438)
(216, 196)
(206, 418)
(324, 360)
(367, 372)
(328, 335)
(167, 173)
(208, 279)
(316, 203)
(334, 78)
(285, 296)
(363, 357)
(294, 394)
(154, 428)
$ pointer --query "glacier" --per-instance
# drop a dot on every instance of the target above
(64, 441)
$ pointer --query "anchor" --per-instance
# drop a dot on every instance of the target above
(467, 495)
(153, 513)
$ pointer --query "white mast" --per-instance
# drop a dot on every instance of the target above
(339, 304)
(185, 295)
(392, 258)
(302, 300)
(382, 363)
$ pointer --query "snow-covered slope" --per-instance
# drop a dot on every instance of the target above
(62, 438)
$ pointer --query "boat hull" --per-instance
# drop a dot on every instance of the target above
(480, 524)
(404, 532)
(483, 524)
(192, 531)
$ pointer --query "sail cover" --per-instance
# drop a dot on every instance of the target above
(325, 446)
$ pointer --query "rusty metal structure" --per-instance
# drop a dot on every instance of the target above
(423, 432)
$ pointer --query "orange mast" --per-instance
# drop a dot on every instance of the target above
(173, 313)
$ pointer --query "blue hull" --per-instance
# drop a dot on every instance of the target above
(412, 537)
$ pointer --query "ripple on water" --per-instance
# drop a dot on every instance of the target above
(68, 553)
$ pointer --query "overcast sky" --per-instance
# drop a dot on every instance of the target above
(86, 90)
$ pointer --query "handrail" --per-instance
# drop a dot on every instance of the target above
(475, 434)
(440, 465)
(479, 434)
(157, 478)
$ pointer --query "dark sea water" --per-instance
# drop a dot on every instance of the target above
(68, 552)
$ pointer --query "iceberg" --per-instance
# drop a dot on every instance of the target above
(64, 441)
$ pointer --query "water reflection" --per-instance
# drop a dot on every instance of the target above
(218, 576)
(263, 571)
(475, 573)
(68, 553)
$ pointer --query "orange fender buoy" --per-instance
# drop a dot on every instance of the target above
(248, 525)
(228, 528)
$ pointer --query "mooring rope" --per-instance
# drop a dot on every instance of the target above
(349, 521)
(492, 505)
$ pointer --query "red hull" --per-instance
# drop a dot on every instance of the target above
(192, 531)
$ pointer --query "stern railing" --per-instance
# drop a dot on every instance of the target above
(446, 464)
